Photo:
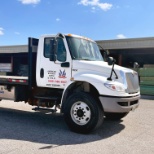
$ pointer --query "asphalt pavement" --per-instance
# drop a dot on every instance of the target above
(24, 131)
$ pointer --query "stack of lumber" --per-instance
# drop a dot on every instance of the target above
(147, 80)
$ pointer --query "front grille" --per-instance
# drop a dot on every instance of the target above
(132, 83)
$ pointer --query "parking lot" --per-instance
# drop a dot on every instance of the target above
(28, 132)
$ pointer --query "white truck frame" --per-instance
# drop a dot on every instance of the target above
(68, 72)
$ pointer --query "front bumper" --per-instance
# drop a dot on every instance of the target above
(119, 104)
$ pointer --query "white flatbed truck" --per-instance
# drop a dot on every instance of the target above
(68, 72)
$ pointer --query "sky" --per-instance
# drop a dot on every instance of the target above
(95, 19)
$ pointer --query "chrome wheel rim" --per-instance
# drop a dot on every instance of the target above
(80, 113)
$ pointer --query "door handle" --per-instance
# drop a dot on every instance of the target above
(42, 73)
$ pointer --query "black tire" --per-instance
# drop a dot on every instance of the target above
(115, 116)
(83, 113)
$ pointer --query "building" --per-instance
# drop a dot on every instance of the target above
(14, 49)
(125, 51)
(128, 51)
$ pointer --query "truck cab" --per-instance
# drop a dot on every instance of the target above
(70, 73)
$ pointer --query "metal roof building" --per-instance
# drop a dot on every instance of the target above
(125, 51)
(128, 51)
(14, 49)
(128, 43)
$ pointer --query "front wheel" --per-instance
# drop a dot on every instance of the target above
(82, 113)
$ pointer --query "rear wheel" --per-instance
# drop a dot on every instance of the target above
(115, 116)
(82, 113)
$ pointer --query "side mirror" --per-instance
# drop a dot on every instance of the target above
(53, 57)
(136, 65)
(53, 53)
(110, 61)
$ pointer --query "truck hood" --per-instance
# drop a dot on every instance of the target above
(100, 71)
(98, 67)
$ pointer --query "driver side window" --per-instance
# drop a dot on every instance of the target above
(61, 50)
(47, 47)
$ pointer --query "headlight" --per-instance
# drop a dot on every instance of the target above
(114, 87)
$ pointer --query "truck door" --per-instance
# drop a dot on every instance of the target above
(51, 73)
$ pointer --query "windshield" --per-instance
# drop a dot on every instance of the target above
(82, 49)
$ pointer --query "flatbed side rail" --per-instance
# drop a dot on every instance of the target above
(13, 80)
